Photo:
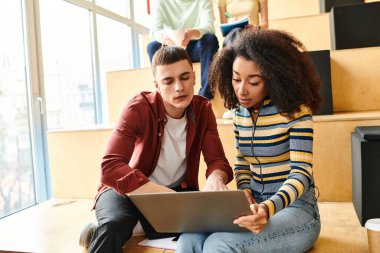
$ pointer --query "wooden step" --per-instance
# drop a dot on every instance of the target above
(313, 31)
(279, 9)
(302, 18)
(332, 156)
(55, 225)
(123, 85)
(354, 78)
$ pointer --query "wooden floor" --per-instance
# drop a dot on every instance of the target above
(54, 226)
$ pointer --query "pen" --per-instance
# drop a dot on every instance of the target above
(228, 15)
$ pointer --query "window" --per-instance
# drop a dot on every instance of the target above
(141, 12)
(80, 40)
(120, 7)
(16, 163)
(80, 43)
(114, 53)
(67, 63)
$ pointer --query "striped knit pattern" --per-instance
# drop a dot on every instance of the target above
(283, 147)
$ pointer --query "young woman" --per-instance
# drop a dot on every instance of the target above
(269, 79)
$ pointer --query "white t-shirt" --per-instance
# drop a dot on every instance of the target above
(171, 165)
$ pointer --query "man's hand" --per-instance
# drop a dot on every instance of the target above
(216, 181)
(151, 187)
(190, 34)
(255, 222)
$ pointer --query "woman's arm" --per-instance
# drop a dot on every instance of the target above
(301, 162)
(263, 8)
(242, 170)
(213, 151)
(222, 11)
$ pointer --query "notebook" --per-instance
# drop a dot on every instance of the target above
(226, 28)
(181, 212)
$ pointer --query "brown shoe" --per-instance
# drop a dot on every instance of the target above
(86, 234)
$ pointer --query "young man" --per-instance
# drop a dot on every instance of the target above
(156, 147)
(196, 17)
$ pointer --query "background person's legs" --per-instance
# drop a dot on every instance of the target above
(152, 49)
(202, 51)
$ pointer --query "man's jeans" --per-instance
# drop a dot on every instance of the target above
(202, 51)
(293, 229)
(117, 216)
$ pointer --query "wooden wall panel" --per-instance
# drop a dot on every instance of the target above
(355, 79)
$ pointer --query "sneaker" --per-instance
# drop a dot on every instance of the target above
(229, 114)
(86, 234)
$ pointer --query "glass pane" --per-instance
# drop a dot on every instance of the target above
(16, 163)
(140, 8)
(68, 76)
(120, 7)
(115, 51)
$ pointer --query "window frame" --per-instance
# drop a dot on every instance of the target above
(35, 80)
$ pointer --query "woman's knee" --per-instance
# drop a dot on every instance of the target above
(219, 242)
(191, 243)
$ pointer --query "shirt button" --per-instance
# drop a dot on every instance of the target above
(159, 134)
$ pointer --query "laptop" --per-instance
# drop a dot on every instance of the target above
(180, 212)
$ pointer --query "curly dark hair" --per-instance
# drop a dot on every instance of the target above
(286, 69)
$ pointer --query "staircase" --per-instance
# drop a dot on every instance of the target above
(75, 156)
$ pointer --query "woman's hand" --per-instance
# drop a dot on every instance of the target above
(255, 222)
(216, 181)
(250, 198)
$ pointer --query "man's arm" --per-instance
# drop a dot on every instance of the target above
(157, 27)
(151, 187)
(116, 172)
(207, 18)
(218, 170)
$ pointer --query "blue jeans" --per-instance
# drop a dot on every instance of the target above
(293, 229)
(202, 51)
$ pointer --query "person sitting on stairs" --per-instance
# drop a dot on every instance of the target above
(189, 24)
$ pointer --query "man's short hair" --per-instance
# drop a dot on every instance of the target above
(168, 55)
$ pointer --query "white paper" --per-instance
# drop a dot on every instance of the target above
(176, 35)
(164, 243)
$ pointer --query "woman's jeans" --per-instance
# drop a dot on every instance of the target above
(293, 229)
(202, 51)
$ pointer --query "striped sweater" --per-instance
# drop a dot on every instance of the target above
(274, 155)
